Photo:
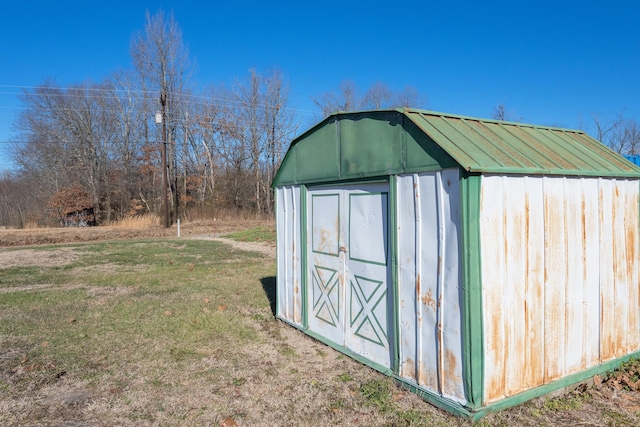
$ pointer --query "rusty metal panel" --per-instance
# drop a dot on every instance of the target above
(619, 267)
(555, 269)
(288, 243)
(512, 277)
(590, 277)
(607, 271)
(428, 216)
(575, 330)
(560, 277)
(632, 258)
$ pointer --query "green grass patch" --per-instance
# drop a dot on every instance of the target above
(118, 306)
(256, 234)
(377, 392)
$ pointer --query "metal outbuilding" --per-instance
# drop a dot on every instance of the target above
(480, 263)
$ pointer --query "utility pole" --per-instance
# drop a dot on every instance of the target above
(165, 180)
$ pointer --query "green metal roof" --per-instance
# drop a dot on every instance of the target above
(358, 145)
(491, 146)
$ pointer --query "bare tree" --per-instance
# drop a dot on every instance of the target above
(346, 99)
(620, 134)
(281, 125)
(410, 97)
(125, 110)
(378, 96)
(500, 112)
(162, 61)
(605, 128)
(250, 99)
(630, 138)
(66, 137)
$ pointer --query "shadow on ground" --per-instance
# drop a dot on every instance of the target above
(269, 286)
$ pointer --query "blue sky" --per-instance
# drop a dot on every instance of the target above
(548, 62)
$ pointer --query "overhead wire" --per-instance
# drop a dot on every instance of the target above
(205, 100)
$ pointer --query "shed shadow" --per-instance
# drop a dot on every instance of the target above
(269, 287)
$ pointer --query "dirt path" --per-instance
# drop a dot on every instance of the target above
(263, 248)
(64, 256)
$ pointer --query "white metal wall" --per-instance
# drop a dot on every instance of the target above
(560, 277)
(428, 216)
(288, 243)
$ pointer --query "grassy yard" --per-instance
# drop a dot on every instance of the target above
(182, 333)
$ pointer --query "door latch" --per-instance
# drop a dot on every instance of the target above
(343, 249)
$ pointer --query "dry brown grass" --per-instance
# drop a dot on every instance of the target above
(138, 221)
(31, 225)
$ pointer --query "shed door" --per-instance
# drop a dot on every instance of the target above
(349, 272)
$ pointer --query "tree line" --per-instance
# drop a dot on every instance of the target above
(144, 140)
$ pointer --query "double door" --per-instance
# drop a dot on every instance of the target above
(348, 275)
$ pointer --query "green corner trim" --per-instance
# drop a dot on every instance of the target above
(276, 210)
(438, 401)
(472, 325)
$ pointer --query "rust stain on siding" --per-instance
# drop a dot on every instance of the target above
(451, 376)
(418, 285)
(585, 225)
(427, 378)
(606, 342)
(324, 236)
(527, 350)
(409, 369)
(427, 299)
(494, 387)
(631, 241)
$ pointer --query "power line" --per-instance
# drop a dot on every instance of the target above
(147, 94)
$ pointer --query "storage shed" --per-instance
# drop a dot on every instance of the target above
(480, 263)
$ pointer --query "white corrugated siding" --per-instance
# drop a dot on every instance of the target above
(428, 216)
(288, 243)
(560, 277)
